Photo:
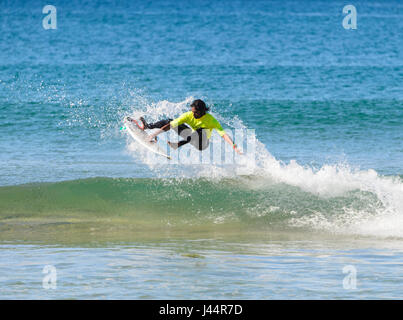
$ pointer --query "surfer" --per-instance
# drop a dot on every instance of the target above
(198, 134)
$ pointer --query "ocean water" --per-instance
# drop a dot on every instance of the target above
(315, 212)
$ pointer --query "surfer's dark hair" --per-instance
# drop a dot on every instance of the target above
(199, 105)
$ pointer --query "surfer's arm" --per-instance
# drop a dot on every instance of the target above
(227, 138)
(173, 124)
(217, 126)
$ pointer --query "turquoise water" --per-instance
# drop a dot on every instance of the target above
(323, 191)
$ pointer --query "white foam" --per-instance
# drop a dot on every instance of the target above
(383, 219)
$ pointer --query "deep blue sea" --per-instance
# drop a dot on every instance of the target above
(323, 189)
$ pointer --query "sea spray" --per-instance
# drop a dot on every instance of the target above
(373, 203)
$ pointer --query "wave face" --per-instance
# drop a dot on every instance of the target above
(315, 106)
(330, 200)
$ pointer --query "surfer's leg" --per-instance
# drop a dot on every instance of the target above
(141, 125)
(199, 139)
(176, 145)
(157, 125)
(184, 132)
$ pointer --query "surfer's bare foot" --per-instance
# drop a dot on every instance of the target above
(173, 145)
(139, 124)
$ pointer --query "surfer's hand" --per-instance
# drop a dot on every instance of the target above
(236, 149)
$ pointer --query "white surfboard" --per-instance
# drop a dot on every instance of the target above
(142, 138)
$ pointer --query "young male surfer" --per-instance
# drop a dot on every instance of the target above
(198, 134)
